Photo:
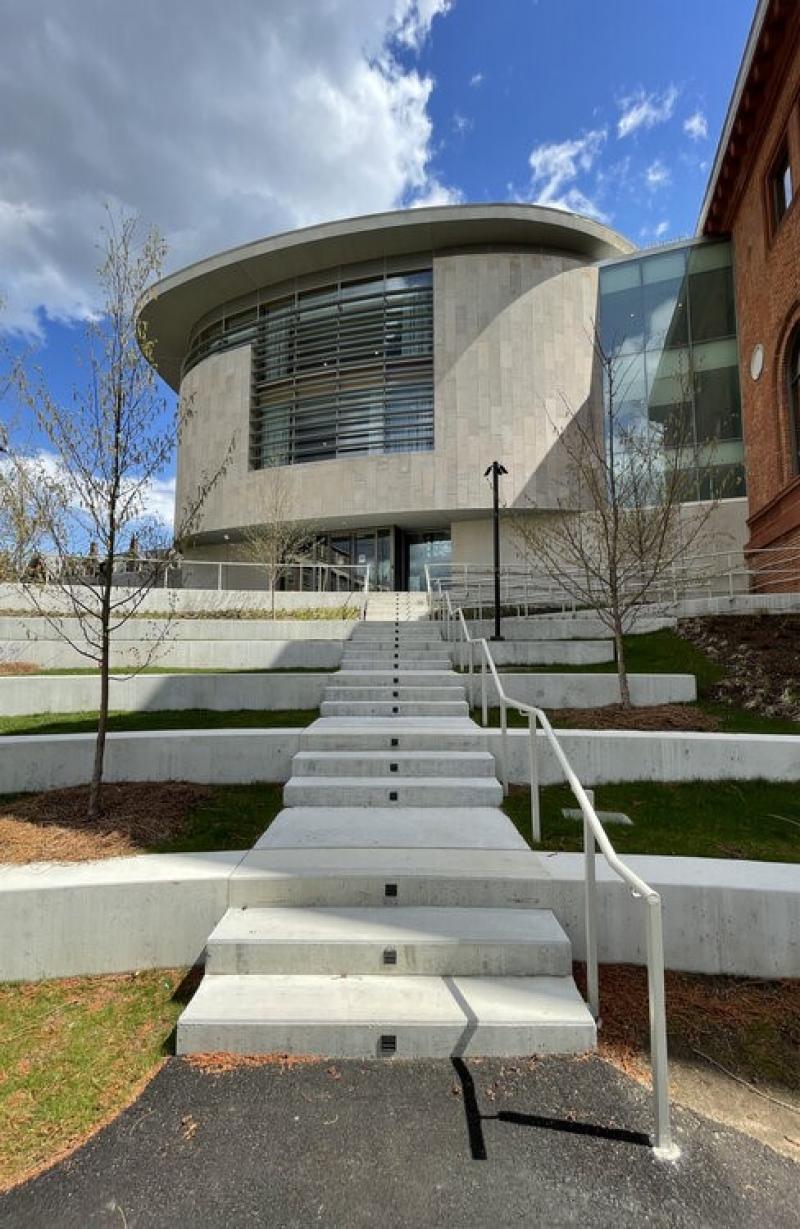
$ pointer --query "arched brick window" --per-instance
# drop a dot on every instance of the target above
(793, 377)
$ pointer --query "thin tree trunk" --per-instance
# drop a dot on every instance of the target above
(95, 789)
(622, 669)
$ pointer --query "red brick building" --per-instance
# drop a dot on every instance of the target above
(753, 197)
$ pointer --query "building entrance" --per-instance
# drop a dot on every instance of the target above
(432, 546)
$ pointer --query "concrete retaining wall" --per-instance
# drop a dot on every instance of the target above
(147, 631)
(584, 690)
(602, 756)
(157, 910)
(563, 627)
(48, 761)
(275, 692)
(149, 912)
(220, 654)
(208, 756)
(737, 918)
(190, 601)
(80, 693)
(543, 652)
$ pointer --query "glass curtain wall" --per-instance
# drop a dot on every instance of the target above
(669, 321)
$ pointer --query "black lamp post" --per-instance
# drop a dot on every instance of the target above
(496, 470)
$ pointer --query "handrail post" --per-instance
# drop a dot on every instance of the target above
(533, 760)
(484, 701)
(504, 742)
(662, 1134)
(590, 911)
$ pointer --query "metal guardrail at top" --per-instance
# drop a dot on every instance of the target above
(720, 574)
(213, 574)
(594, 838)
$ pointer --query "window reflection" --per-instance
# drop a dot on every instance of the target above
(669, 319)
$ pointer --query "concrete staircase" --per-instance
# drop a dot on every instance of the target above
(391, 908)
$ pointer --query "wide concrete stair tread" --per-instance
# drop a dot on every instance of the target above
(427, 659)
(415, 827)
(388, 763)
(349, 733)
(391, 875)
(347, 1017)
(388, 691)
(386, 675)
(401, 708)
(365, 791)
(392, 941)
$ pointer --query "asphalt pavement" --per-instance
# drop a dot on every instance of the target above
(552, 1142)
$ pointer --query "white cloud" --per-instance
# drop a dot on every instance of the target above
(155, 502)
(555, 167)
(159, 501)
(657, 175)
(219, 124)
(436, 193)
(661, 229)
(413, 19)
(645, 110)
(476, 79)
(696, 126)
(462, 123)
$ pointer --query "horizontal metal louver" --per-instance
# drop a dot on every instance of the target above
(346, 370)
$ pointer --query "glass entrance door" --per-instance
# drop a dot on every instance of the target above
(433, 546)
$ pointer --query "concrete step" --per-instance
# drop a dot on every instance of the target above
(388, 763)
(388, 661)
(400, 733)
(338, 791)
(365, 691)
(394, 875)
(429, 678)
(382, 635)
(398, 708)
(390, 826)
(403, 1017)
(429, 941)
(365, 649)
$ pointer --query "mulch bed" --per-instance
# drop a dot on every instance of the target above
(52, 826)
(747, 1024)
(654, 717)
(761, 658)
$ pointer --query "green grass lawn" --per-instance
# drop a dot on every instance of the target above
(757, 820)
(170, 719)
(74, 1051)
(234, 817)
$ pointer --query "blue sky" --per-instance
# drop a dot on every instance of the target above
(249, 118)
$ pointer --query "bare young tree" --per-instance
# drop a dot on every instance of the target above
(30, 503)
(618, 528)
(277, 541)
(109, 444)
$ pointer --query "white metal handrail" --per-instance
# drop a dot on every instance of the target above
(720, 573)
(594, 838)
(310, 576)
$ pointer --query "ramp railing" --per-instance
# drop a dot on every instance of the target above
(594, 839)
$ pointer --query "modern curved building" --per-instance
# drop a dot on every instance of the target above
(382, 363)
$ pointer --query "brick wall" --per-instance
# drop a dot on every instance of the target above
(767, 266)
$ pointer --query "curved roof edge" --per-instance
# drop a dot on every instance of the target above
(172, 306)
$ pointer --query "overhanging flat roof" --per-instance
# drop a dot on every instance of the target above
(173, 306)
